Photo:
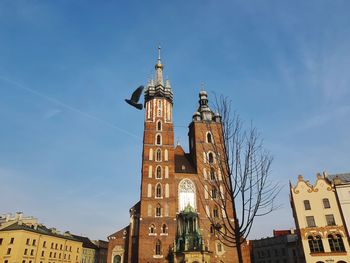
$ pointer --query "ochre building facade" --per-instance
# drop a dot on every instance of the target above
(171, 221)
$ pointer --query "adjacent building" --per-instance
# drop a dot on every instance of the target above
(319, 221)
(283, 247)
(24, 240)
(341, 184)
(171, 222)
(89, 251)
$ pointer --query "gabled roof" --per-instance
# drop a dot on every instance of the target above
(40, 229)
(86, 242)
(344, 178)
(183, 162)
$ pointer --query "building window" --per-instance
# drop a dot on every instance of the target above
(209, 137)
(307, 205)
(44, 244)
(1, 239)
(214, 193)
(25, 251)
(12, 240)
(9, 251)
(219, 246)
(336, 243)
(34, 242)
(330, 220)
(158, 248)
(32, 252)
(23, 261)
(158, 191)
(166, 155)
(158, 211)
(310, 221)
(210, 158)
(159, 172)
(215, 212)
(158, 139)
(149, 210)
(212, 174)
(159, 126)
(28, 241)
(152, 229)
(43, 253)
(149, 192)
(164, 229)
(326, 203)
(159, 155)
(159, 111)
(315, 244)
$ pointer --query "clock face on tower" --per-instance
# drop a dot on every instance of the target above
(187, 194)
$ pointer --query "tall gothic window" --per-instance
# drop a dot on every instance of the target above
(336, 243)
(315, 244)
(187, 194)
(159, 111)
(212, 174)
(216, 212)
(158, 211)
(159, 172)
(158, 191)
(152, 229)
(164, 229)
(209, 138)
(158, 139)
(211, 158)
(159, 126)
(158, 247)
(159, 155)
(214, 193)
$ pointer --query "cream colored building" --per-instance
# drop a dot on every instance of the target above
(90, 250)
(319, 222)
(24, 240)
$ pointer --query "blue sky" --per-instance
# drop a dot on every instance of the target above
(70, 148)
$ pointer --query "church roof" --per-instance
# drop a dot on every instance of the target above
(183, 163)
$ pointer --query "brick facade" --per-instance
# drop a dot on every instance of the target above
(153, 228)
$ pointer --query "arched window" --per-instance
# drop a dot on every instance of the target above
(187, 194)
(159, 125)
(158, 247)
(214, 193)
(307, 205)
(149, 190)
(164, 229)
(216, 212)
(152, 229)
(209, 138)
(159, 155)
(212, 174)
(158, 211)
(117, 259)
(336, 243)
(315, 244)
(150, 171)
(158, 139)
(150, 157)
(159, 172)
(159, 111)
(158, 191)
(210, 158)
(326, 203)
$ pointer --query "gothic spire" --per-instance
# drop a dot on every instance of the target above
(159, 70)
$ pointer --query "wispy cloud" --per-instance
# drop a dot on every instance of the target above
(52, 113)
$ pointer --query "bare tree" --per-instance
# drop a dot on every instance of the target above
(239, 178)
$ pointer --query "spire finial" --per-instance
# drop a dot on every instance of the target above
(159, 48)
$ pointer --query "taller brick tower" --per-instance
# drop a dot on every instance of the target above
(173, 221)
